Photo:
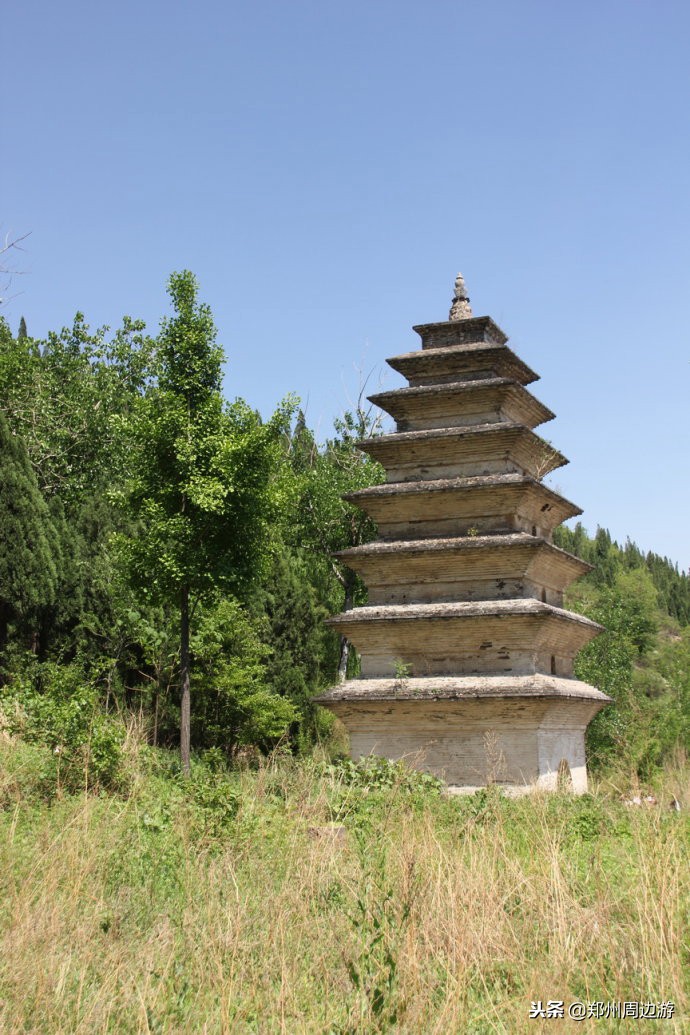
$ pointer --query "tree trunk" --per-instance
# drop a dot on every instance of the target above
(345, 643)
(5, 615)
(185, 711)
(155, 717)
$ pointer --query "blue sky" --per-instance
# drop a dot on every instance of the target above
(326, 169)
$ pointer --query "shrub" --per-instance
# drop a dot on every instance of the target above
(58, 707)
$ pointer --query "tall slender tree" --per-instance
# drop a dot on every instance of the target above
(200, 479)
(27, 565)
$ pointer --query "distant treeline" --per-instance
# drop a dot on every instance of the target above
(607, 558)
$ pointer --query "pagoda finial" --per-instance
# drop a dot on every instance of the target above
(461, 308)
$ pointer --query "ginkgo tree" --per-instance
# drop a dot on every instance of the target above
(199, 484)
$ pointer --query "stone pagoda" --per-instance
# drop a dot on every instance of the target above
(466, 649)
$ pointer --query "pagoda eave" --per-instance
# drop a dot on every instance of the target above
(453, 568)
(457, 688)
(457, 362)
(458, 332)
(459, 403)
(463, 506)
(502, 614)
(474, 450)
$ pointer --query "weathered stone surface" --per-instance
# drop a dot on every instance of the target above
(515, 742)
(451, 688)
(462, 506)
(480, 360)
(481, 449)
(466, 651)
(460, 403)
(464, 568)
(500, 636)
(461, 332)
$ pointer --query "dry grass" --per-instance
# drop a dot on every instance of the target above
(162, 912)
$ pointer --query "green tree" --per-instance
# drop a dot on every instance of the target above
(234, 704)
(325, 523)
(627, 609)
(295, 634)
(199, 487)
(28, 574)
(65, 398)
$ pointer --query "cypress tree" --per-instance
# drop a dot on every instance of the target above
(295, 633)
(27, 566)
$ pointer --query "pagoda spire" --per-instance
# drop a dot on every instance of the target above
(460, 308)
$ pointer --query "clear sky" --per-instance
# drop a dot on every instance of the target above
(326, 169)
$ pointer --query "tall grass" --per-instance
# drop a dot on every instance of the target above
(302, 897)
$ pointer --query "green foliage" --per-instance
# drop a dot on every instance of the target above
(199, 474)
(320, 522)
(609, 559)
(190, 358)
(207, 803)
(375, 772)
(234, 702)
(327, 520)
(61, 397)
(380, 919)
(365, 789)
(642, 726)
(28, 574)
(403, 671)
(292, 619)
(637, 659)
(58, 707)
(65, 396)
(28, 772)
(199, 487)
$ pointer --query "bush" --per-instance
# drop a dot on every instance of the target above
(58, 707)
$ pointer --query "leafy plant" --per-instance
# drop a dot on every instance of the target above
(59, 706)
(379, 920)
(199, 485)
(403, 671)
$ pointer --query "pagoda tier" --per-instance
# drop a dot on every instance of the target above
(470, 450)
(512, 636)
(464, 506)
(459, 360)
(466, 651)
(514, 735)
(449, 569)
(459, 403)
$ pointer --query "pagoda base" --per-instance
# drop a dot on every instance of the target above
(523, 733)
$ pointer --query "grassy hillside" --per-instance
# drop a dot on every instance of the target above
(302, 896)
